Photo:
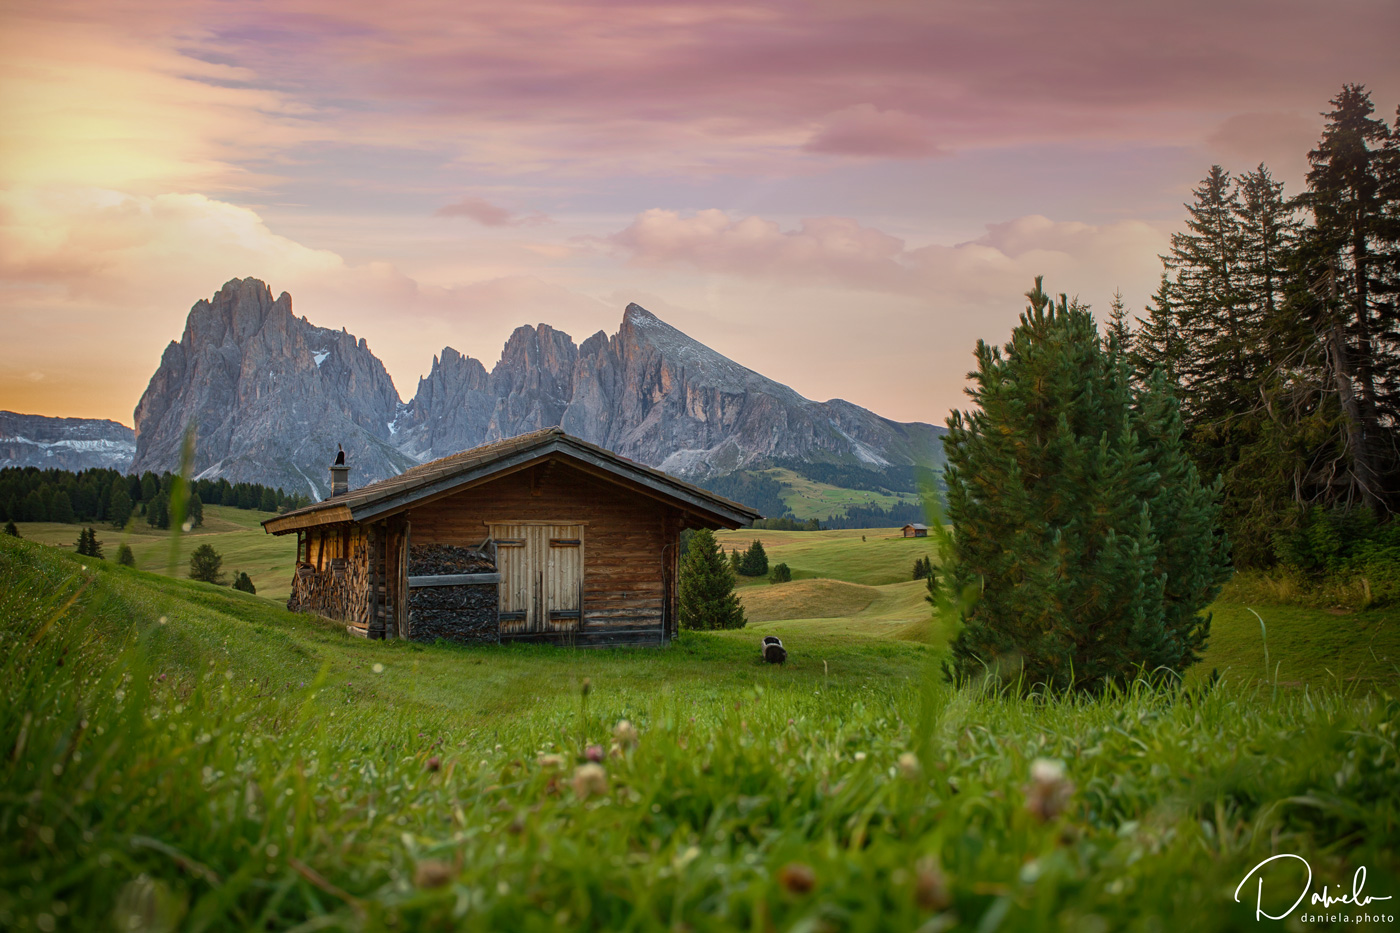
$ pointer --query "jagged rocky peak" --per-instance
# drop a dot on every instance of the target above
(270, 394)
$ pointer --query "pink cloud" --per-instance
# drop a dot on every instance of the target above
(865, 131)
(488, 214)
(688, 86)
(832, 249)
(840, 251)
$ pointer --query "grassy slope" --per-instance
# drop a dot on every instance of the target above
(882, 557)
(234, 533)
(175, 770)
(846, 585)
(807, 498)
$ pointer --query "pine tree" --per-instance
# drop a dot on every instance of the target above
(781, 573)
(125, 557)
(1076, 514)
(11, 529)
(1118, 322)
(1348, 253)
(1219, 358)
(707, 599)
(61, 508)
(754, 563)
(196, 511)
(118, 505)
(82, 547)
(1158, 342)
(205, 563)
(267, 502)
(94, 547)
(158, 512)
(1269, 227)
(241, 581)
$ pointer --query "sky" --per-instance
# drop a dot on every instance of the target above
(844, 196)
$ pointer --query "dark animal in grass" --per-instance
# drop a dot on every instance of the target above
(773, 650)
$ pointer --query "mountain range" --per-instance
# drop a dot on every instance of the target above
(64, 443)
(271, 395)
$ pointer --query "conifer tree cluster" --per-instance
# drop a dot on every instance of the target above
(28, 494)
(707, 599)
(241, 581)
(1278, 319)
(1080, 523)
(88, 545)
(923, 568)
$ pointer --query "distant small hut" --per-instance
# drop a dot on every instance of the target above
(543, 537)
(915, 530)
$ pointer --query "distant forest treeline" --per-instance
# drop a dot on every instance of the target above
(28, 494)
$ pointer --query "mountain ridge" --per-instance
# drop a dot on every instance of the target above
(271, 395)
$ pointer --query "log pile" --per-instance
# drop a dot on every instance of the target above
(433, 559)
(463, 613)
(341, 591)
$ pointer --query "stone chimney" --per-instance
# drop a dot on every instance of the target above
(340, 475)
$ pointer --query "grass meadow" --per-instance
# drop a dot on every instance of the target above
(179, 756)
(235, 533)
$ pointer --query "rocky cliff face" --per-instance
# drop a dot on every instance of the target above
(650, 393)
(272, 395)
(64, 443)
(269, 395)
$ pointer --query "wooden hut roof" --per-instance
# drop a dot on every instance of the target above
(440, 477)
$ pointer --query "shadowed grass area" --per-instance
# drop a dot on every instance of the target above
(178, 756)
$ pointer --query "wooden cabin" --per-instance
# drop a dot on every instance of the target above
(543, 537)
(915, 530)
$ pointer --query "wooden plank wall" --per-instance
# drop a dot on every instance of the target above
(624, 579)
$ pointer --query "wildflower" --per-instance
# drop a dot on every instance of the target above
(590, 779)
(909, 765)
(434, 763)
(797, 878)
(1049, 790)
(550, 761)
(860, 756)
(431, 873)
(930, 885)
(626, 734)
(593, 753)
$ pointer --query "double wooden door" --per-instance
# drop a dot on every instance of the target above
(541, 567)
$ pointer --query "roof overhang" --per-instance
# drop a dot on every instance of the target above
(703, 507)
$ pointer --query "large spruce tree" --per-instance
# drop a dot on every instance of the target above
(1349, 270)
(1079, 519)
(707, 599)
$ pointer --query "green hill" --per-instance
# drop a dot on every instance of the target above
(234, 533)
(857, 582)
(182, 756)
